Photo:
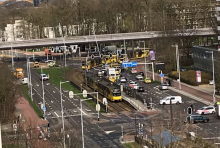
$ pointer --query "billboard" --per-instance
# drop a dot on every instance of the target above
(198, 76)
(152, 55)
(160, 66)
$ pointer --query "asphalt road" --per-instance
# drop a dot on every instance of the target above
(101, 133)
(152, 91)
(107, 131)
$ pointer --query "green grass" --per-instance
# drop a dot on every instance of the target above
(132, 145)
(158, 82)
(56, 76)
(25, 90)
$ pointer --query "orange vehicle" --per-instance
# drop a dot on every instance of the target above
(47, 51)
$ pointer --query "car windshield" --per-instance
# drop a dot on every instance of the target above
(44, 75)
(141, 87)
(202, 108)
(117, 94)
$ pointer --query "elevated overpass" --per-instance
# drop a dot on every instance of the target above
(103, 38)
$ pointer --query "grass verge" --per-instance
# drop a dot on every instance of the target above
(10, 146)
(25, 91)
(56, 76)
(132, 145)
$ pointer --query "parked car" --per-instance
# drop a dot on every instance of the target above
(206, 110)
(133, 70)
(140, 78)
(172, 99)
(44, 77)
(211, 82)
(123, 80)
(196, 118)
(163, 87)
(183, 69)
(24, 81)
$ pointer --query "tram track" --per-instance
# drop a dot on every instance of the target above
(115, 107)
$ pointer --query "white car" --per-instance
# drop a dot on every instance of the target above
(24, 81)
(211, 82)
(135, 86)
(44, 77)
(163, 87)
(133, 70)
(140, 78)
(206, 110)
(172, 100)
(123, 80)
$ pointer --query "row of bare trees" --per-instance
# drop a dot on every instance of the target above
(112, 16)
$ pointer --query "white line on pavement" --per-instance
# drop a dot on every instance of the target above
(56, 114)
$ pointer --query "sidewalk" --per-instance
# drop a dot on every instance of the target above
(28, 114)
(195, 92)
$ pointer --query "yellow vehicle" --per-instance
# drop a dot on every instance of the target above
(104, 87)
(121, 59)
(19, 73)
(141, 53)
(36, 64)
(51, 63)
(112, 78)
(92, 63)
(147, 80)
(117, 70)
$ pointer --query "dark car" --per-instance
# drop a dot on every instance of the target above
(183, 69)
(141, 73)
(140, 89)
(196, 119)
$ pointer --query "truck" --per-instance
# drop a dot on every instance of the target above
(19, 73)
(47, 51)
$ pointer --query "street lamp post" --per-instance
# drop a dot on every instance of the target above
(82, 111)
(213, 74)
(42, 81)
(61, 100)
(178, 63)
(12, 58)
(82, 120)
(145, 66)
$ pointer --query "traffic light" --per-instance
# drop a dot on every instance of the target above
(110, 55)
(48, 125)
(189, 110)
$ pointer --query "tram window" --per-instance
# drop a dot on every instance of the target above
(116, 94)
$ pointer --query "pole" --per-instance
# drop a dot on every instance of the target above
(0, 135)
(97, 95)
(61, 99)
(122, 132)
(93, 78)
(145, 66)
(153, 70)
(65, 56)
(124, 46)
(33, 55)
(43, 91)
(47, 54)
(26, 53)
(28, 72)
(30, 82)
(178, 64)
(12, 58)
(86, 72)
(82, 124)
(213, 75)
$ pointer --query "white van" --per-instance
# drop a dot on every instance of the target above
(173, 99)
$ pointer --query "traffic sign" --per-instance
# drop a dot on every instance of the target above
(161, 75)
(84, 93)
(104, 101)
(97, 107)
(44, 108)
(129, 64)
(71, 95)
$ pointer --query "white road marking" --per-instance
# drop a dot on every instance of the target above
(56, 114)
